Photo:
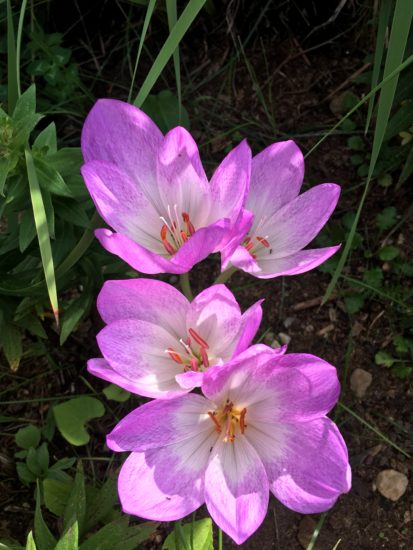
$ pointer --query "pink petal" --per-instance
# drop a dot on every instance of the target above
(190, 380)
(230, 182)
(276, 176)
(250, 322)
(314, 470)
(299, 262)
(236, 236)
(242, 259)
(236, 488)
(162, 423)
(146, 299)
(297, 223)
(122, 134)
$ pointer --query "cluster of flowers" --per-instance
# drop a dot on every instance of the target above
(258, 422)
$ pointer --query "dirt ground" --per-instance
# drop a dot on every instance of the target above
(303, 85)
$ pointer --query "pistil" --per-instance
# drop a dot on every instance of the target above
(173, 234)
(230, 418)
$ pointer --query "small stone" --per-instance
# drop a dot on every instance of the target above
(391, 484)
(360, 381)
(289, 321)
(268, 338)
(309, 328)
(275, 344)
(284, 338)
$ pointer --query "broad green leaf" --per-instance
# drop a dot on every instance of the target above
(33, 463)
(47, 138)
(74, 314)
(32, 324)
(27, 437)
(50, 179)
(199, 532)
(72, 212)
(6, 164)
(117, 534)
(67, 161)
(356, 143)
(11, 340)
(386, 218)
(75, 510)
(44, 537)
(56, 495)
(42, 233)
(401, 120)
(72, 416)
(27, 230)
(354, 303)
(30, 544)
(25, 105)
(373, 277)
(24, 473)
(62, 464)
(70, 539)
(384, 358)
(100, 503)
(23, 129)
(402, 371)
(164, 110)
(43, 457)
(115, 393)
(388, 253)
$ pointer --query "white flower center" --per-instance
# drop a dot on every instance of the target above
(173, 233)
(194, 356)
(228, 420)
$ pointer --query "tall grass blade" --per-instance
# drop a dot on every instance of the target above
(42, 230)
(12, 88)
(19, 44)
(384, 16)
(147, 20)
(182, 25)
(171, 11)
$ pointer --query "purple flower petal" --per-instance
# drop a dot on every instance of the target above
(237, 235)
(145, 299)
(145, 427)
(190, 380)
(313, 471)
(243, 260)
(276, 176)
(250, 322)
(101, 368)
(236, 488)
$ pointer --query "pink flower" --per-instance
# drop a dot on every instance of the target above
(284, 221)
(260, 427)
(153, 192)
(158, 344)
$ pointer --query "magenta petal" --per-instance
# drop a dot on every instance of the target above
(299, 262)
(314, 470)
(163, 484)
(276, 176)
(250, 322)
(102, 369)
(162, 422)
(190, 380)
(236, 236)
(236, 488)
(230, 182)
(145, 299)
(136, 255)
(243, 260)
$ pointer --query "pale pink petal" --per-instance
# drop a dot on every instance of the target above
(250, 322)
(242, 259)
(145, 299)
(230, 182)
(276, 177)
(162, 423)
(313, 470)
(299, 262)
(190, 380)
(236, 236)
(236, 488)
(297, 223)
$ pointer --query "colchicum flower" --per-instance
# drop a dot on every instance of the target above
(158, 344)
(153, 192)
(260, 427)
(284, 221)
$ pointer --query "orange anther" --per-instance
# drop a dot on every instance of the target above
(164, 232)
(249, 246)
(204, 357)
(198, 339)
(263, 241)
(175, 356)
(168, 247)
(191, 228)
(242, 420)
(194, 364)
(215, 421)
(184, 236)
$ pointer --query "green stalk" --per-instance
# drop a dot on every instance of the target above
(225, 275)
(186, 286)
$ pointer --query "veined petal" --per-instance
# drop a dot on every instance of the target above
(236, 488)
(230, 182)
(297, 223)
(146, 299)
(162, 423)
(117, 132)
(242, 259)
(276, 177)
(236, 236)
(299, 262)
(250, 322)
(122, 204)
(314, 470)
(216, 316)
(190, 380)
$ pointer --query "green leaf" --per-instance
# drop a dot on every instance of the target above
(44, 537)
(72, 416)
(56, 495)
(33, 463)
(407, 170)
(202, 536)
(27, 230)
(24, 473)
(402, 345)
(12, 76)
(75, 510)
(164, 110)
(385, 180)
(70, 540)
(33, 325)
(30, 544)
(400, 121)
(11, 340)
(6, 164)
(75, 312)
(50, 179)
(401, 371)
(387, 218)
(43, 457)
(62, 464)
(47, 138)
(383, 358)
(67, 161)
(373, 277)
(115, 393)
(356, 143)
(27, 437)
(117, 534)
(100, 503)
(26, 104)
(389, 253)
(354, 303)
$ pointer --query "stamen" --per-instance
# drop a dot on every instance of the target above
(228, 407)
(204, 357)
(175, 356)
(215, 421)
(168, 247)
(191, 228)
(194, 364)
(263, 241)
(242, 420)
(198, 339)
(184, 236)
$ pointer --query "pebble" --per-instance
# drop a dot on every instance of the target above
(284, 338)
(391, 484)
(360, 382)
(268, 338)
(289, 321)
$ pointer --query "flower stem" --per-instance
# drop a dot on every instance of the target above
(181, 535)
(186, 286)
(225, 275)
(219, 538)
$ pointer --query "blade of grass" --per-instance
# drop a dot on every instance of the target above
(384, 16)
(182, 25)
(373, 429)
(12, 88)
(42, 233)
(19, 44)
(316, 531)
(148, 16)
(171, 11)
(402, 19)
